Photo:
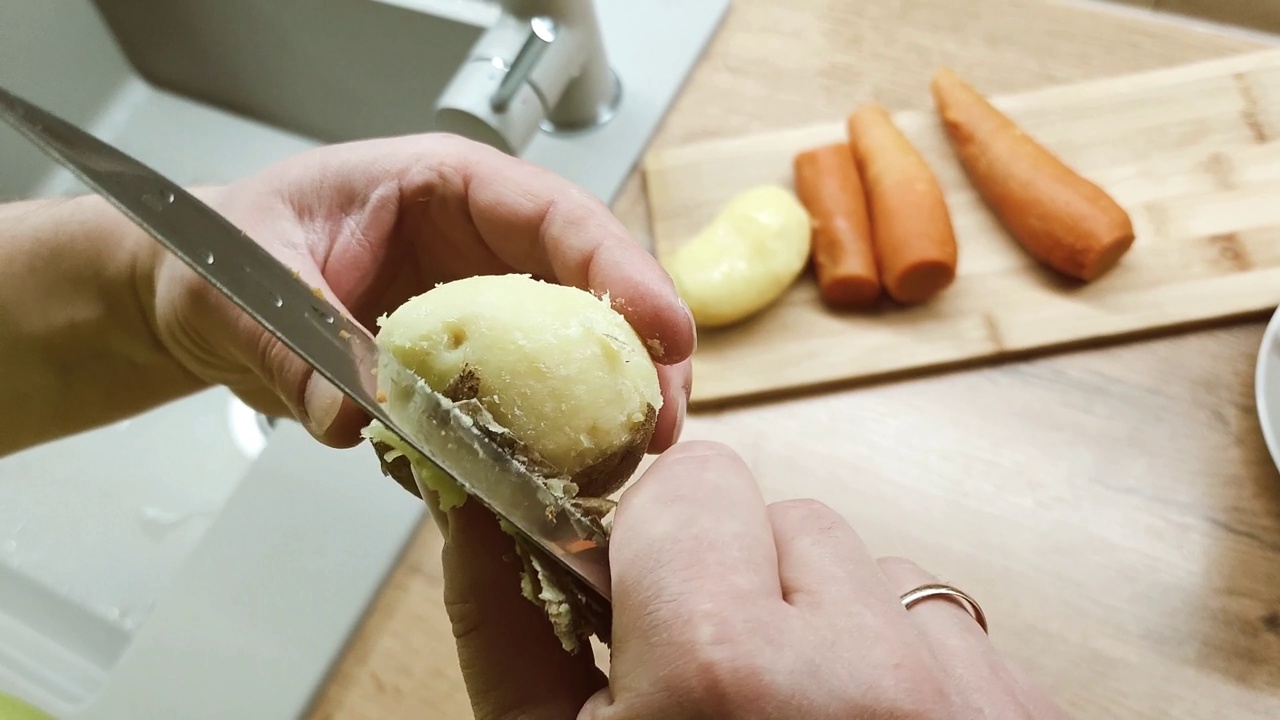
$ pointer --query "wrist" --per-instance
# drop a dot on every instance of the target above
(77, 310)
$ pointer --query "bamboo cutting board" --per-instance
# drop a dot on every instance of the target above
(1192, 152)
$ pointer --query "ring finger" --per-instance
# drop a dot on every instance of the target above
(962, 649)
(947, 627)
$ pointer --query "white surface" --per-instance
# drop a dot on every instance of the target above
(1266, 387)
(91, 529)
(251, 623)
(100, 532)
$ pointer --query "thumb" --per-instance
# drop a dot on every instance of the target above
(327, 413)
(511, 660)
(332, 417)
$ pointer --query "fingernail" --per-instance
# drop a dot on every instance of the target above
(321, 403)
(692, 323)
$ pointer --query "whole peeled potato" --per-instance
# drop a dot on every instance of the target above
(745, 258)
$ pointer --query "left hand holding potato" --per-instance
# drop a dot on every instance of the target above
(373, 223)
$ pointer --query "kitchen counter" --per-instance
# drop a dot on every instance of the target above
(1114, 510)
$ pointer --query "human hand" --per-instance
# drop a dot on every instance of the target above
(372, 223)
(727, 608)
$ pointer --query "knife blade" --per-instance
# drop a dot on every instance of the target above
(337, 347)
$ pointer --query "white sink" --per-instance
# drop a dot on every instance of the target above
(166, 566)
(191, 562)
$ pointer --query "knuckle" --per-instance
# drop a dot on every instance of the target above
(919, 691)
(923, 698)
(730, 668)
(927, 698)
(196, 308)
(726, 680)
(279, 368)
(723, 669)
(906, 685)
(803, 510)
(904, 574)
(701, 448)
(465, 618)
(715, 467)
(452, 142)
(200, 302)
(896, 563)
(812, 521)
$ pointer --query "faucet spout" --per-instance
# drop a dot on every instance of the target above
(541, 66)
(590, 90)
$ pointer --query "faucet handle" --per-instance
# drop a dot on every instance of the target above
(541, 33)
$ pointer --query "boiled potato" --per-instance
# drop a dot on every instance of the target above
(565, 385)
(745, 259)
(557, 367)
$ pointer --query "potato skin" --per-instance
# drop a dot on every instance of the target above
(582, 619)
(598, 478)
(559, 370)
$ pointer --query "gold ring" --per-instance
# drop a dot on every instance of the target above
(924, 592)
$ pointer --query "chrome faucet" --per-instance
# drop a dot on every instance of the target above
(541, 66)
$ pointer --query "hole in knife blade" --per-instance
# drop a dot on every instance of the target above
(277, 300)
(158, 200)
(209, 257)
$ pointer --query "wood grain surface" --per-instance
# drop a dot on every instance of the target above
(1191, 152)
(1114, 510)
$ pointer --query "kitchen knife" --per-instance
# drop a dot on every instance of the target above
(335, 345)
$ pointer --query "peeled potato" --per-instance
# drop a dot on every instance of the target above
(564, 383)
(556, 366)
(745, 258)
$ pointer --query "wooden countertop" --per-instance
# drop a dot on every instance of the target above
(1114, 510)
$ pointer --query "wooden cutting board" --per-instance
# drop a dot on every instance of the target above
(1192, 152)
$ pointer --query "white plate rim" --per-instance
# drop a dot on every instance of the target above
(1267, 371)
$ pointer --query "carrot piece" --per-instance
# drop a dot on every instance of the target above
(1058, 216)
(578, 546)
(911, 229)
(827, 184)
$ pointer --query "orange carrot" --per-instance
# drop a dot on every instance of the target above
(827, 184)
(1059, 217)
(914, 242)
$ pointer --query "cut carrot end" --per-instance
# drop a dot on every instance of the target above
(922, 281)
(1107, 258)
(849, 291)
